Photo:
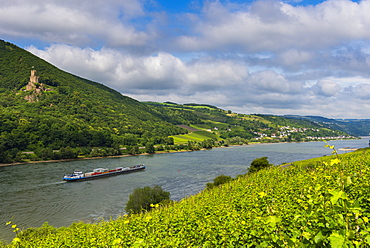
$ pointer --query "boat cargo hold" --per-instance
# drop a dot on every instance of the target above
(101, 172)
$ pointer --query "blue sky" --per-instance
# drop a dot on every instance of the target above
(262, 56)
(188, 6)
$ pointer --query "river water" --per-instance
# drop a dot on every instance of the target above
(32, 194)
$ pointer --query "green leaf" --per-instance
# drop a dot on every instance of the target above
(306, 235)
(273, 220)
(367, 239)
(348, 181)
(336, 240)
(336, 195)
(319, 237)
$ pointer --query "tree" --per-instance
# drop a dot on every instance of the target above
(67, 152)
(45, 153)
(221, 179)
(208, 143)
(11, 156)
(258, 164)
(133, 150)
(193, 145)
(149, 148)
(142, 198)
(169, 141)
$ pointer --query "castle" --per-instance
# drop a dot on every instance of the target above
(34, 84)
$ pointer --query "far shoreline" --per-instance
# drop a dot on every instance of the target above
(117, 156)
(163, 152)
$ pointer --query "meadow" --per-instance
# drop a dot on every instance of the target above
(321, 202)
(197, 136)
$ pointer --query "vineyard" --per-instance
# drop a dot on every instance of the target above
(322, 202)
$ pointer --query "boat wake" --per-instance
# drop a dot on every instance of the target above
(53, 183)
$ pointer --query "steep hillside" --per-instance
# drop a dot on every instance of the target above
(228, 125)
(65, 110)
(323, 202)
(44, 109)
(356, 127)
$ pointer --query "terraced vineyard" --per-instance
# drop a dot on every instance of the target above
(322, 202)
(194, 136)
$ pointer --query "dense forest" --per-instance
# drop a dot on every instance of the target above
(73, 112)
(64, 116)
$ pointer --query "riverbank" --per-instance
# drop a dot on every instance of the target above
(239, 207)
(94, 158)
(157, 152)
(35, 193)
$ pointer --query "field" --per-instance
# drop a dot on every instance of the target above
(322, 202)
(194, 136)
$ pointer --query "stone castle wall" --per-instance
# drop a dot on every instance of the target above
(33, 81)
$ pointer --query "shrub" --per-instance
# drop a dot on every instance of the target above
(133, 150)
(258, 164)
(142, 198)
(45, 153)
(67, 153)
(218, 181)
(149, 148)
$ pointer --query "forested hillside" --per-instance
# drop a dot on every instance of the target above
(72, 112)
(46, 113)
(356, 127)
(246, 128)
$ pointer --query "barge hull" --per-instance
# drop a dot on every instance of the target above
(104, 174)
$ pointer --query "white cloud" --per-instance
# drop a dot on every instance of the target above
(326, 88)
(294, 59)
(221, 82)
(274, 26)
(263, 57)
(140, 74)
(362, 91)
(211, 73)
(270, 81)
(73, 22)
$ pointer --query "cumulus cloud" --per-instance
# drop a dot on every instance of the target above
(73, 22)
(274, 26)
(326, 88)
(294, 59)
(270, 81)
(261, 56)
(362, 91)
(143, 74)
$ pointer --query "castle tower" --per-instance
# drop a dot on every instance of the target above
(33, 77)
(33, 81)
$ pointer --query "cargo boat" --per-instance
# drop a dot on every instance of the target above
(101, 172)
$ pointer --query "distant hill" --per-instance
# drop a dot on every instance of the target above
(356, 127)
(44, 110)
(228, 125)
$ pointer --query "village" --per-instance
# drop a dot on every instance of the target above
(307, 133)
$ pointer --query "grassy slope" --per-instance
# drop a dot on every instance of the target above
(229, 124)
(194, 136)
(315, 203)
